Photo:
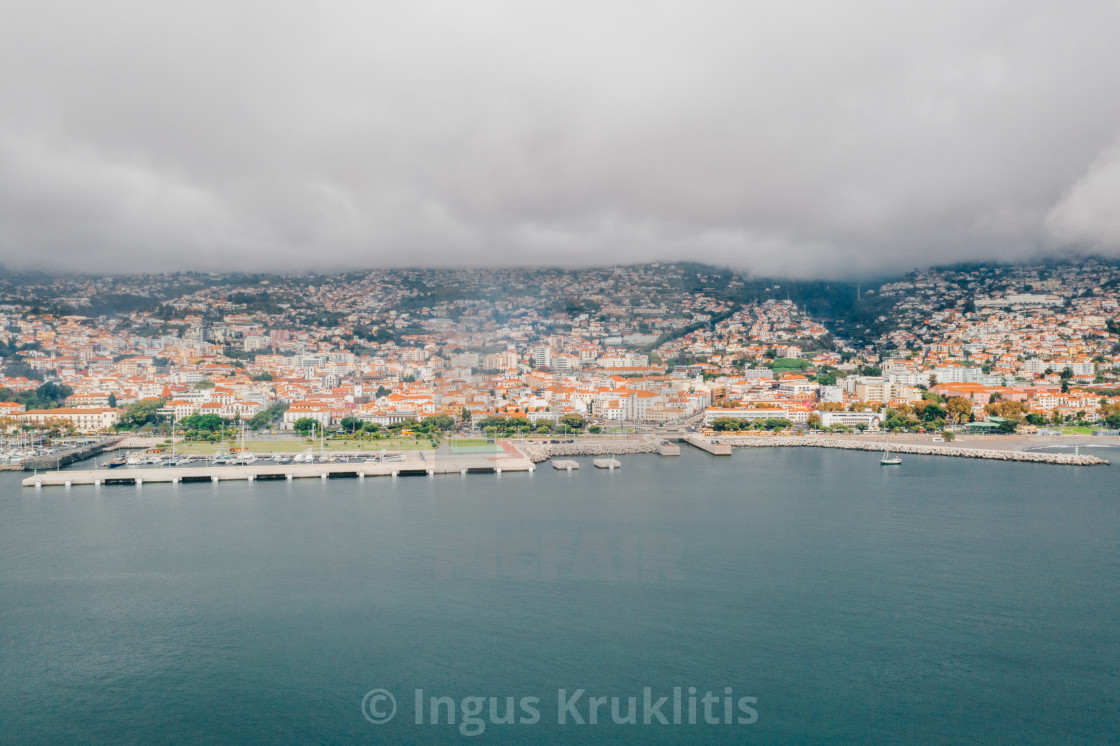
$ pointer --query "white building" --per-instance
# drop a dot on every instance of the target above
(871, 420)
(82, 419)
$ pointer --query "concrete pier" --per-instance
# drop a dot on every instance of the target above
(803, 441)
(666, 448)
(255, 472)
(704, 444)
(564, 464)
(607, 463)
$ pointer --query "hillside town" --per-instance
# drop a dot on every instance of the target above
(651, 347)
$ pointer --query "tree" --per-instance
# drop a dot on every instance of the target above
(441, 422)
(269, 416)
(930, 412)
(1011, 410)
(305, 425)
(814, 420)
(47, 396)
(113, 401)
(203, 423)
(142, 413)
(735, 424)
(265, 376)
(958, 408)
(493, 421)
(519, 423)
(350, 424)
(574, 421)
(382, 391)
(595, 429)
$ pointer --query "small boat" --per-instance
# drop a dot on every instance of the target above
(888, 460)
(118, 461)
(282, 459)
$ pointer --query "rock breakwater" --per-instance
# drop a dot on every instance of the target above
(539, 452)
(1068, 459)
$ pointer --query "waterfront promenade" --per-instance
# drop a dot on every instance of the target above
(721, 445)
(274, 472)
(941, 449)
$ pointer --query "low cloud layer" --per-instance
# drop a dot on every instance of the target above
(805, 139)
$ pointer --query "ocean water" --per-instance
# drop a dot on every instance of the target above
(943, 601)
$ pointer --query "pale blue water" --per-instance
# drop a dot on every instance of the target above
(943, 601)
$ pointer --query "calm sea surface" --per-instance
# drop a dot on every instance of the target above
(943, 601)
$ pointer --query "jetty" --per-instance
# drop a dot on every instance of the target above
(778, 441)
(539, 452)
(279, 472)
(607, 463)
(564, 464)
(714, 447)
(665, 448)
(69, 455)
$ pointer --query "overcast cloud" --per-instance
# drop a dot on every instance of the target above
(798, 138)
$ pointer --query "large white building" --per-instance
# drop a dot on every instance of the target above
(750, 415)
(82, 419)
(1021, 299)
(871, 420)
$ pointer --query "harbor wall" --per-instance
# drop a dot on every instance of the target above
(67, 457)
(1069, 459)
(538, 452)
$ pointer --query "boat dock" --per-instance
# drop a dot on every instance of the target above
(607, 463)
(563, 464)
(715, 448)
(665, 448)
(254, 472)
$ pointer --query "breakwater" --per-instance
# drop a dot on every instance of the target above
(286, 472)
(538, 452)
(1068, 459)
(69, 456)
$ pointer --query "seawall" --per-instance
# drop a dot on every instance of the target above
(538, 452)
(70, 456)
(1068, 459)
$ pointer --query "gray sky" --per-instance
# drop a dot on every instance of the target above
(799, 138)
